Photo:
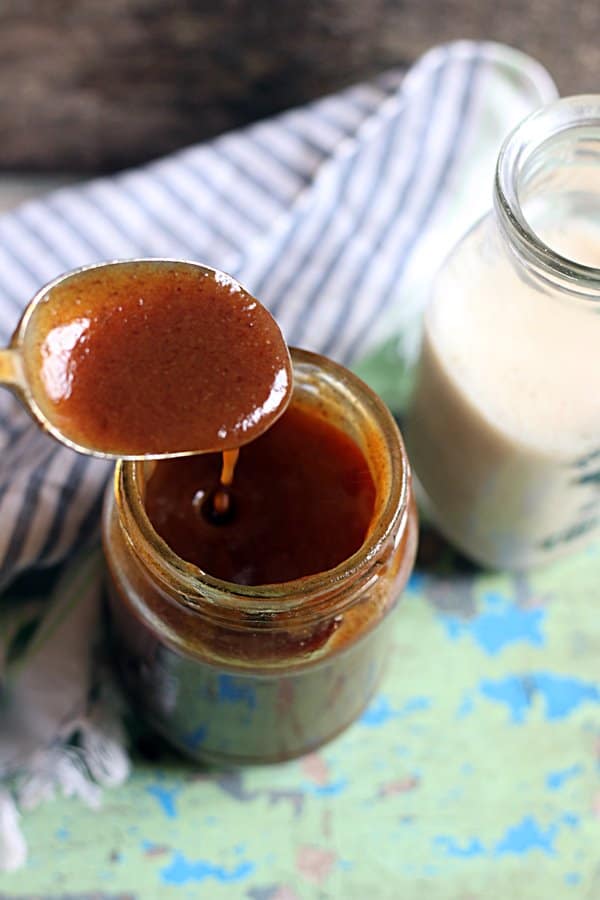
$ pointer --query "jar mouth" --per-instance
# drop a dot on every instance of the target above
(195, 587)
(542, 154)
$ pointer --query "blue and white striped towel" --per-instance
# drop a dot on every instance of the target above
(335, 215)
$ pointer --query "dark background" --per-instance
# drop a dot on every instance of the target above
(88, 85)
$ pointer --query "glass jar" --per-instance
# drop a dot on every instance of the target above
(503, 429)
(237, 674)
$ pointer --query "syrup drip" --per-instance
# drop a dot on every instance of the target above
(219, 506)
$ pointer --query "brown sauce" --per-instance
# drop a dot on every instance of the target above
(303, 500)
(150, 357)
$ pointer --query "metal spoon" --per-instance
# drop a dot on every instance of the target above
(19, 372)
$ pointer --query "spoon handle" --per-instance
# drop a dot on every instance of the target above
(11, 368)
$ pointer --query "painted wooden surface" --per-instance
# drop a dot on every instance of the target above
(99, 84)
(473, 774)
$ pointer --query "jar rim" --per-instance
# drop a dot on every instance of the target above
(536, 130)
(196, 589)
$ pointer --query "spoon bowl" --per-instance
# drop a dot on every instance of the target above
(148, 358)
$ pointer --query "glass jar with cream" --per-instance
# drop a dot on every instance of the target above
(504, 425)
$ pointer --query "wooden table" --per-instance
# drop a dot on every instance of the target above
(88, 85)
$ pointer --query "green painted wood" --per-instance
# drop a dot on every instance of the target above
(474, 773)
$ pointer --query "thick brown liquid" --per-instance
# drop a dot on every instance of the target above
(152, 357)
(303, 499)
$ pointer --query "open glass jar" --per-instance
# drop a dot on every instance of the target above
(504, 426)
(236, 674)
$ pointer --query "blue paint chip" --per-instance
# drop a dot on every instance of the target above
(330, 790)
(415, 704)
(181, 871)
(555, 780)
(381, 711)
(467, 850)
(500, 624)
(430, 870)
(527, 835)
(194, 739)
(572, 878)
(562, 694)
(377, 713)
(416, 583)
(570, 819)
(512, 691)
(235, 690)
(454, 627)
(166, 798)
(467, 705)
(524, 837)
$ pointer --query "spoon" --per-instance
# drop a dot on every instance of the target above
(148, 359)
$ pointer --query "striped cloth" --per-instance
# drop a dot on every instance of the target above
(334, 215)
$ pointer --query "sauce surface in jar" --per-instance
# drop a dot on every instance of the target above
(154, 357)
(302, 501)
